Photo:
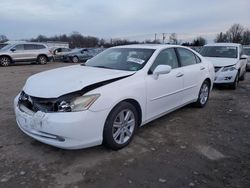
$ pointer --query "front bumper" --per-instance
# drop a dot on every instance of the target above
(227, 77)
(67, 130)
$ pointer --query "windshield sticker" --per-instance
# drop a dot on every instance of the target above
(135, 60)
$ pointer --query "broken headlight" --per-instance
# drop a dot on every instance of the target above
(78, 103)
(229, 68)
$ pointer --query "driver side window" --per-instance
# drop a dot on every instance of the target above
(19, 47)
(165, 57)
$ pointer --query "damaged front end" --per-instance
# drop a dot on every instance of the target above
(72, 102)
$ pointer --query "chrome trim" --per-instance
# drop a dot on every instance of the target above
(166, 95)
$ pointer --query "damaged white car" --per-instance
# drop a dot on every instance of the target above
(106, 99)
(229, 62)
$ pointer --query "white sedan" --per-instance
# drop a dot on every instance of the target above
(106, 99)
(229, 62)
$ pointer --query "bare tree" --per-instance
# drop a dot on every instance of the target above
(246, 37)
(173, 38)
(3, 38)
(199, 41)
(221, 37)
(235, 33)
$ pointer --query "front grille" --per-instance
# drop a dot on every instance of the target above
(38, 104)
(216, 69)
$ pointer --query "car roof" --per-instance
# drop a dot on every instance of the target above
(24, 42)
(223, 44)
(148, 46)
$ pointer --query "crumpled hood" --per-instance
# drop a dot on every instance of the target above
(222, 62)
(60, 81)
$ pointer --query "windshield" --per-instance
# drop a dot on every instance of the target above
(247, 51)
(2, 45)
(7, 47)
(219, 51)
(129, 59)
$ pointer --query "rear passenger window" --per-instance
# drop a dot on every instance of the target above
(29, 47)
(165, 57)
(33, 46)
(186, 57)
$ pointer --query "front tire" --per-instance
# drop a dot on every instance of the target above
(203, 95)
(75, 59)
(235, 83)
(120, 126)
(42, 59)
(243, 76)
(5, 61)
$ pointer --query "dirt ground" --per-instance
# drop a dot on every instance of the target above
(191, 147)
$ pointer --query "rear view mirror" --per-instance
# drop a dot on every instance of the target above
(161, 69)
(13, 49)
(244, 57)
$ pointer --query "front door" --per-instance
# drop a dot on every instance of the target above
(165, 92)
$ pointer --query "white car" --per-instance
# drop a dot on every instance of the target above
(109, 97)
(247, 52)
(229, 62)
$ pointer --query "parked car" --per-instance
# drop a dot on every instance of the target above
(2, 45)
(247, 52)
(229, 62)
(58, 53)
(24, 52)
(106, 99)
(79, 55)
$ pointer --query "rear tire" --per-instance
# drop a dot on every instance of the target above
(203, 95)
(5, 61)
(42, 59)
(120, 126)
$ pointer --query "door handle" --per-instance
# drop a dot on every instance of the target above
(202, 68)
(179, 75)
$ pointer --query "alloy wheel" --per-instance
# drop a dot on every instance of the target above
(204, 93)
(123, 126)
(5, 61)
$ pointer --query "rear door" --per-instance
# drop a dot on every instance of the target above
(31, 51)
(193, 73)
(165, 92)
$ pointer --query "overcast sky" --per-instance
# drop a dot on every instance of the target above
(23, 19)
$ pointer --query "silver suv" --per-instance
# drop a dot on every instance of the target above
(24, 52)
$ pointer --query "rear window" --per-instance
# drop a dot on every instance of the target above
(219, 51)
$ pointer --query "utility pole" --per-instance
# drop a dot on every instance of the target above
(155, 38)
(163, 38)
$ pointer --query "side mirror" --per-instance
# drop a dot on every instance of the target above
(13, 49)
(244, 57)
(161, 69)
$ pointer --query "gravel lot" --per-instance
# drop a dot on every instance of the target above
(191, 147)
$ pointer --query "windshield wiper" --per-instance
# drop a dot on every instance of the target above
(103, 67)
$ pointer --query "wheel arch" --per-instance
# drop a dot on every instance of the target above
(7, 56)
(136, 104)
(209, 81)
(43, 55)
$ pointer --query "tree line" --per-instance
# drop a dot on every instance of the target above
(236, 33)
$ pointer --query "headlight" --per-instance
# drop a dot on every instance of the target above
(230, 68)
(78, 104)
